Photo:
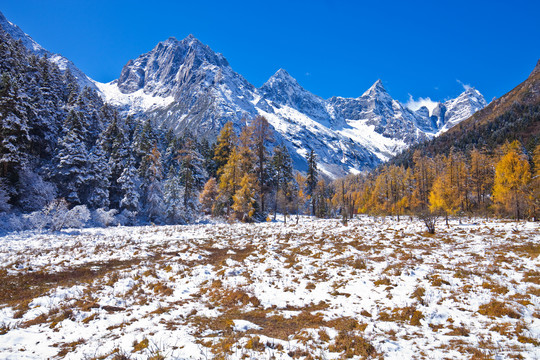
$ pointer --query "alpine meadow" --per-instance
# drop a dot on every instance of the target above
(180, 212)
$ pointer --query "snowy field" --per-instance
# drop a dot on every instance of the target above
(375, 288)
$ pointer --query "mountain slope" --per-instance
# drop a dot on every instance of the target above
(63, 63)
(183, 85)
(514, 116)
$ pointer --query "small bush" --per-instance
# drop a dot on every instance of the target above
(104, 218)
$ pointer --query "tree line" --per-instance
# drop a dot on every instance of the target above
(505, 182)
(62, 148)
(251, 180)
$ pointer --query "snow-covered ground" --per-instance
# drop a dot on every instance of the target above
(376, 287)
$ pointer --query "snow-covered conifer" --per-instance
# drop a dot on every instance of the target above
(129, 183)
(72, 161)
(153, 186)
(98, 178)
(174, 198)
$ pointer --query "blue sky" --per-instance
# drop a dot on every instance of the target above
(419, 48)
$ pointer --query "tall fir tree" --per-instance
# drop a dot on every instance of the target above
(312, 178)
(98, 184)
(261, 134)
(129, 182)
(282, 176)
(152, 185)
(174, 198)
(14, 130)
(115, 143)
(72, 161)
(192, 173)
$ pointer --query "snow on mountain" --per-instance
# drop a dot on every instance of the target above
(377, 108)
(63, 63)
(282, 89)
(185, 86)
(337, 154)
(200, 89)
(462, 107)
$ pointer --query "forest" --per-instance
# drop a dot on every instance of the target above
(67, 159)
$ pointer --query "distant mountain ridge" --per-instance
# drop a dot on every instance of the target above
(185, 86)
(513, 116)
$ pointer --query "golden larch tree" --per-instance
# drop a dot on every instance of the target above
(512, 175)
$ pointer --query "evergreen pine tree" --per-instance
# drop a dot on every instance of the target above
(192, 173)
(72, 161)
(153, 187)
(99, 179)
(129, 183)
(174, 198)
(261, 134)
(282, 177)
(312, 178)
(115, 143)
(14, 131)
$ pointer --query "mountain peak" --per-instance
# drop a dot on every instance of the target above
(377, 89)
(282, 75)
(171, 63)
(471, 94)
(171, 40)
(191, 39)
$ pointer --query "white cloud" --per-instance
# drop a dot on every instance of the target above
(417, 104)
(465, 86)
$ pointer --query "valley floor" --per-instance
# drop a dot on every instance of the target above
(376, 287)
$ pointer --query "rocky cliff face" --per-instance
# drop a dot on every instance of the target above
(462, 107)
(185, 86)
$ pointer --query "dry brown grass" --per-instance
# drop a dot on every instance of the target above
(407, 314)
(532, 276)
(351, 345)
(494, 287)
(496, 309)
(383, 281)
(20, 289)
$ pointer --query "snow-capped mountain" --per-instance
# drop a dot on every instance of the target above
(282, 89)
(63, 63)
(462, 107)
(376, 110)
(185, 86)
